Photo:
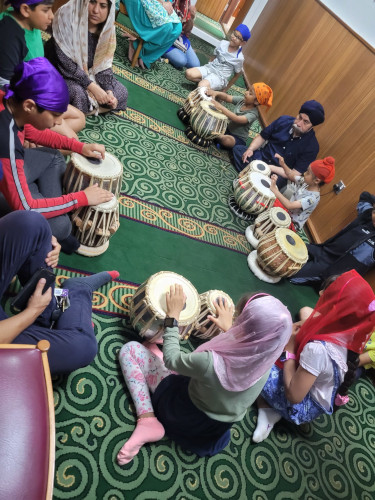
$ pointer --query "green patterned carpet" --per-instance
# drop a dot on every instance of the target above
(174, 216)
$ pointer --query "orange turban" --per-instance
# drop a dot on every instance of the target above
(264, 94)
(324, 169)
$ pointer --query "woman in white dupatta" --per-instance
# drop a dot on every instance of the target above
(82, 49)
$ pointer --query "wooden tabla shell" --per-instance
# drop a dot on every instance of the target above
(207, 121)
(256, 166)
(148, 305)
(195, 97)
(252, 193)
(93, 226)
(281, 253)
(204, 328)
(83, 172)
(269, 220)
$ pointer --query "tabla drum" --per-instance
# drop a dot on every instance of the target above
(93, 227)
(148, 305)
(204, 328)
(83, 172)
(196, 96)
(280, 253)
(256, 166)
(252, 193)
(206, 123)
(265, 223)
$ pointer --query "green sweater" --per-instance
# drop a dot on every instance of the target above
(205, 390)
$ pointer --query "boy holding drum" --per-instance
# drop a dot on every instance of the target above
(31, 179)
(305, 189)
(244, 114)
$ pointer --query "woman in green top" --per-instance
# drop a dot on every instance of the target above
(196, 397)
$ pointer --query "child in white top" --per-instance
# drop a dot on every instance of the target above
(305, 189)
(229, 59)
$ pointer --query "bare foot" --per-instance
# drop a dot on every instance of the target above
(141, 63)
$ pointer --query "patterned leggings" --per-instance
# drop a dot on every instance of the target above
(143, 372)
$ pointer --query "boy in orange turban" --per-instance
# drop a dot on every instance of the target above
(305, 189)
(244, 113)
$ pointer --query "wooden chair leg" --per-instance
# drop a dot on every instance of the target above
(136, 54)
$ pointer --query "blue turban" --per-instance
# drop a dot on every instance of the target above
(244, 30)
(314, 110)
(38, 80)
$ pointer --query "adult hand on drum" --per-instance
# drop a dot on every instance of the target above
(247, 154)
(96, 195)
(224, 314)
(94, 151)
(52, 258)
(175, 299)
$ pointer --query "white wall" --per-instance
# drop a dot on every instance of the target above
(359, 15)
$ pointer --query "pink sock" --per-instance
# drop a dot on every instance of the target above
(148, 430)
(113, 274)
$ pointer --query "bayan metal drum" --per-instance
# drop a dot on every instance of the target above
(252, 193)
(83, 172)
(205, 328)
(206, 123)
(280, 254)
(148, 305)
(196, 96)
(265, 223)
(94, 225)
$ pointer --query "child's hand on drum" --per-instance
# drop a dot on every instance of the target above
(273, 186)
(224, 314)
(211, 93)
(175, 299)
(96, 195)
(280, 159)
(94, 151)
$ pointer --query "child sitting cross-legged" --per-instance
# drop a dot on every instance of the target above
(305, 189)
(244, 113)
(228, 60)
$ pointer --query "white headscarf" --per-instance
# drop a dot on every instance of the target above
(70, 32)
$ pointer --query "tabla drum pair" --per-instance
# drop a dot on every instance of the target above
(265, 223)
(252, 195)
(206, 123)
(280, 254)
(94, 225)
(148, 306)
(195, 97)
(204, 328)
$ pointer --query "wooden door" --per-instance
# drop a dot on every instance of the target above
(212, 8)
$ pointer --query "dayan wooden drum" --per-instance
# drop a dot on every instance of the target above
(204, 328)
(93, 227)
(148, 305)
(252, 193)
(256, 166)
(265, 223)
(195, 97)
(83, 172)
(281, 253)
(206, 123)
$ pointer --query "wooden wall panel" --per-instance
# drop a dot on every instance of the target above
(212, 8)
(304, 52)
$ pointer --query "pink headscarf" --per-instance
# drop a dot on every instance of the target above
(244, 353)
